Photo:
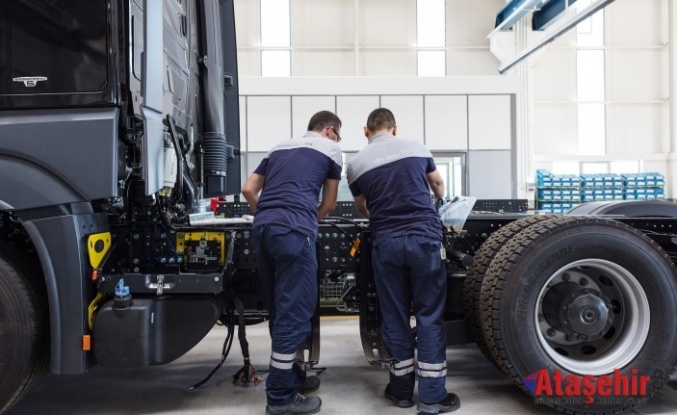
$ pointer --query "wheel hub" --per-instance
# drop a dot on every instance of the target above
(579, 312)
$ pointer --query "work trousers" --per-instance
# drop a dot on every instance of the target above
(409, 270)
(288, 274)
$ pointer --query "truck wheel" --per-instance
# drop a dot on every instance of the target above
(23, 348)
(586, 299)
(472, 283)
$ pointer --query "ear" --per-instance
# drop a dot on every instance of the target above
(366, 132)
(394, 131)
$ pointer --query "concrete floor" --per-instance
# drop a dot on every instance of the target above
(349, 385)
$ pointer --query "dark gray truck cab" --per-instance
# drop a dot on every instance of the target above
(110, 111)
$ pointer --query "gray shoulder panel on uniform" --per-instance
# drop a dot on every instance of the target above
(385, 151)
(320, 144)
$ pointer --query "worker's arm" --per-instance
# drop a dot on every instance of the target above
(436, 183)
(252, 188)
(329, 195)
(361, 204)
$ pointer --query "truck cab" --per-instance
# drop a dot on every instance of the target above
(118, 119)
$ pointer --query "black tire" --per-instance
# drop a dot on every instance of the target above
(601, 270)
(24, 340)
(472, 284)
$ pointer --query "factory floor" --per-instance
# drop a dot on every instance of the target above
(349, 384)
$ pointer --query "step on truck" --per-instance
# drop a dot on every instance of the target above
(119, 118)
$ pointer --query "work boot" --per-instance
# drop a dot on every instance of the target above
(449, 404)
(399, 402)
(299, 406)
(311, 384)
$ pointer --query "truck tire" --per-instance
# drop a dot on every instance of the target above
(23, 331)
(585, 297)
(472, 284)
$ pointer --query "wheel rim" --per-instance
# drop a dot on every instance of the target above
(592, 316)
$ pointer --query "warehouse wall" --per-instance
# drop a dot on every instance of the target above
(369, 37)
(365, 38)
(638, 92)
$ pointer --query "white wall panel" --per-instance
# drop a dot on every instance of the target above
(248, 22)
(323, 63)
(268, 121)
(243, 123)
(253, 161)
(388, 22)
(353, 111)
(303, 108)
(467, 22)
(490, 183)
(408, 111)
(446, 122)
(490, 122)
(553, 77)
(466, 62)
(637, 129)
(249, 63)
(637, 74)
(389, 63)
(326, 23)
(555, 129)
(660, 166)
(636, 22)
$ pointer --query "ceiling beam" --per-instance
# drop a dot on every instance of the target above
(563, 28)
(549, 13)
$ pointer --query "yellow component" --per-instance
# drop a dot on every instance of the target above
(86, 342)
(93, 306)
(98, 245)
(356, 245)
(183, 237)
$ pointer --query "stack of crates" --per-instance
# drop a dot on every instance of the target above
(602, 186)
(643, 186)
(557, 193)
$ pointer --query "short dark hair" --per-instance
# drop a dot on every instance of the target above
(380, 119)
(322, 120)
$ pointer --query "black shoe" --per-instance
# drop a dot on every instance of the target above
(299, 406)
(311, 384)
(399, 402)
(449, 404)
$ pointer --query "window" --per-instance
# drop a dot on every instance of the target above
(566, 167)
(275, 34)
(590, 76)
(593, 167)
(432, 63)
(431, 38)
(275, 63)
(53, 47)
(452, 168)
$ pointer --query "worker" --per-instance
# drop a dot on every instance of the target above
(391, 179)
(286, 215)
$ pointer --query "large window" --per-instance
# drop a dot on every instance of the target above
(431, 38)
(275, 38)
(591, 91)
(596, 167)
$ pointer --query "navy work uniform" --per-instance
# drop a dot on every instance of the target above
(284, 232)
(406, 231)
